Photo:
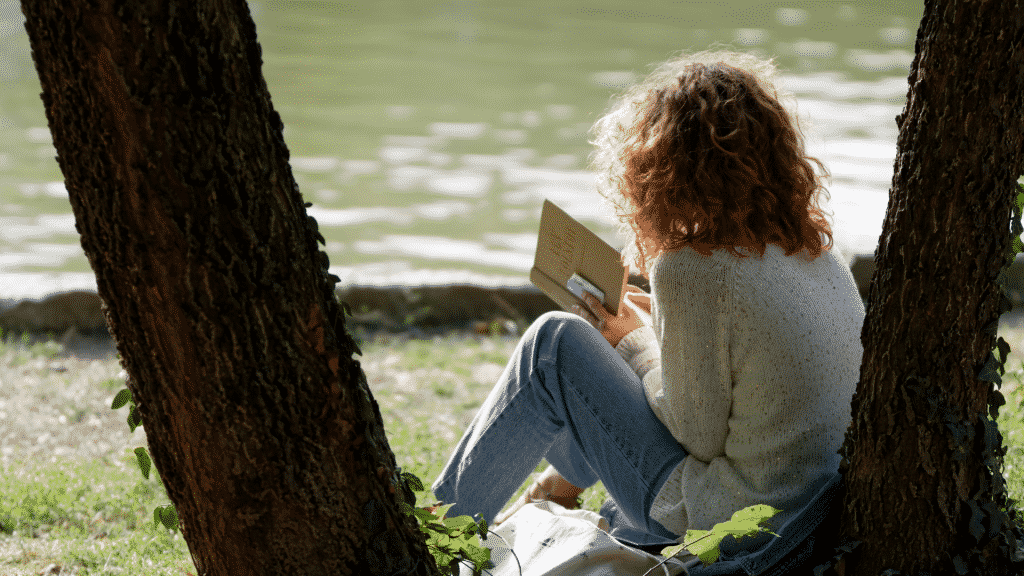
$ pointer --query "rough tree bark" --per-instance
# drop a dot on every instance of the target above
(921, 458)
(259, 420)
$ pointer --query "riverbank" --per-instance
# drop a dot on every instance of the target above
(421, 309)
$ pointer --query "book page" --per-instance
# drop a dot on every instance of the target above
(566, 248)
(563, 252)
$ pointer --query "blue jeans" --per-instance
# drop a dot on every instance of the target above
(566, 396)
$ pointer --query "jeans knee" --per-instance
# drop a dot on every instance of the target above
(555, 316)
(558, 316)
(560, 322)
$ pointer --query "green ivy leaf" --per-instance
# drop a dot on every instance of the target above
(123, 397)
(458, 544)
(170, 517)
(1004, 349)
(441, 511)
(167, 516)
(414, 483)
(990, 372)
(478, 555)
(704, 543)
(432, 529)
(450, 540)
(443, 541)
(995, 401)
(423, 515)
(134, 418)
(142, 457)
(747, 522)
(458, 523)
(673, 550)
(441, 557)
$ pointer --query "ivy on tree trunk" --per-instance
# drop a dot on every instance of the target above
(922, 455)
(259, 420)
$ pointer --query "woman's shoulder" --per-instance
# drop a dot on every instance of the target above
(686, 267)
(722, 257)
(689, 259)
(689, 266)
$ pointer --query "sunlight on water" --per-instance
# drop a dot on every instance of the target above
(427, 139)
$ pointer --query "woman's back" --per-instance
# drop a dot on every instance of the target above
(760, 357)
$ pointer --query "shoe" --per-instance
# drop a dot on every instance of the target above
(537, 492)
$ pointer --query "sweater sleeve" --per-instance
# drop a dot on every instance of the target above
(691, 390)
(639, 349)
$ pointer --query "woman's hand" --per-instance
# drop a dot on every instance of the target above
(639, 297)
(613, 328)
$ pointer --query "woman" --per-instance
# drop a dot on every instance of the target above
(739, 393)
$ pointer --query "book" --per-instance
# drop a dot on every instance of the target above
(572, 259)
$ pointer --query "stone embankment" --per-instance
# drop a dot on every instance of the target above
(389, 308)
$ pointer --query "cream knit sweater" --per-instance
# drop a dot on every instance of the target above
(751, 363)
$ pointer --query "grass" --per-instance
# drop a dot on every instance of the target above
(85, 517)
(430, 389)
(72, 500)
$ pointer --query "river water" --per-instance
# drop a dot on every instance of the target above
(427, 134)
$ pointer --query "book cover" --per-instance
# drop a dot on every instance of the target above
(571, 258)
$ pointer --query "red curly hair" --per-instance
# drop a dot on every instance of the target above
(704, 155)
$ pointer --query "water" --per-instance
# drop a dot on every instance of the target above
(428, 134)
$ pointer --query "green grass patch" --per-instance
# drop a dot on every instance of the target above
(85, 517)
(1011, 425)
(94, 515)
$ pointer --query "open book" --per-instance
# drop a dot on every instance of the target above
(571, 259)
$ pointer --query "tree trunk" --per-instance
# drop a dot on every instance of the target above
(259, 421)
(922, 457)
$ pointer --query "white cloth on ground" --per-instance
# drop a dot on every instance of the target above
(549, 540)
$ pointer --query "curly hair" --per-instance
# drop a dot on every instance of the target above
(702, 153)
